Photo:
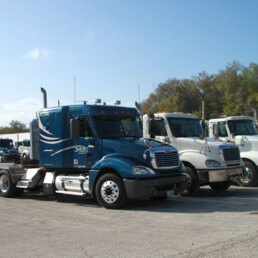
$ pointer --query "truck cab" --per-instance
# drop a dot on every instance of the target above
(8, 153)
(23, 148)
(98, 151)
(207, 161)
(241, 131)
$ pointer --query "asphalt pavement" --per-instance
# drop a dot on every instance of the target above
(208, 225)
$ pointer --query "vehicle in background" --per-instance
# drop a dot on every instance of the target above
(23, 148)
(207, 161)
(241, 131)
(8, 153)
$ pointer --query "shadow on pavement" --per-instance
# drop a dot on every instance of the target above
(236, 199)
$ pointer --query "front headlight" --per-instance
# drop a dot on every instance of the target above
(212, 163)
(142, 171)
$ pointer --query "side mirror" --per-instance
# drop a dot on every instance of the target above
(74, 129)
(215, 130)
(152, 129)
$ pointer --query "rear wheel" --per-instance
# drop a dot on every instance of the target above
(192, 184)
(110, 191)
(249, 176)
(220, 186)
(7, 188)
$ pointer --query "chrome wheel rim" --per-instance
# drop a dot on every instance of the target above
(4, 183)
(247, 175)
(188, 182)
(109, 191)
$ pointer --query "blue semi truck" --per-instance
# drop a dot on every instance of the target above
(97, 151)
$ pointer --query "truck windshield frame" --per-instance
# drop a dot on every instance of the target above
(242, 127)
(112, 127)
(182, 127)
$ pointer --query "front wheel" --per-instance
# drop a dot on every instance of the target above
(192, 184)
(110, 191)
(220, 186)
(249, 176)
(7, 188)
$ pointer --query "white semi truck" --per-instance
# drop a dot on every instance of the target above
(241, 131)
(207, 161)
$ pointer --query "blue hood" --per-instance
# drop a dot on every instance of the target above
(131, 148)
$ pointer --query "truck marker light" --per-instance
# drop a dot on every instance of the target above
(178, 112)
(102, 112)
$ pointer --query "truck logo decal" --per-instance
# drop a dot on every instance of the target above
(80, 149)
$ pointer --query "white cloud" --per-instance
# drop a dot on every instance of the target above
(24, 111)
(37, 53)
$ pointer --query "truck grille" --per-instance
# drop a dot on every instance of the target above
(231, 154)
(166, 159)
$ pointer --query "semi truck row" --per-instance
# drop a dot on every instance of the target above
(99, 151)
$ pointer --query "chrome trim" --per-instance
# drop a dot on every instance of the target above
(221, 153)
(163, 150)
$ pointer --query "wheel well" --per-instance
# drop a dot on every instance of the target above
(245, 159)
(101, 173)
(188, 164)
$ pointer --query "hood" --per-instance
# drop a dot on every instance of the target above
(200, 145)
(133, 148)
(247, 142)
(8, 151)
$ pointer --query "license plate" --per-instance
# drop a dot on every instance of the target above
(170, 193)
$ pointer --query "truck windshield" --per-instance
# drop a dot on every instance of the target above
(26, 143)
(6, 144)
(182, 127)
(242, 127)
(117, 127)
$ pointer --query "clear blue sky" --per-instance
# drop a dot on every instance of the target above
(112, 46)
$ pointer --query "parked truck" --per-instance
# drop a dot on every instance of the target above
(207, 161)
(241, 131)
(97, 151)
(8, 153)
(23, 148)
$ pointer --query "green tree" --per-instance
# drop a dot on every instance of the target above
(15, 127)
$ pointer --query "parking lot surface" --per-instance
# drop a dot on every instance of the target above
(208, 225)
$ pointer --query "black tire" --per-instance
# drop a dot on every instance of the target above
(192, 184)
(110, 191)
(249, 176)
(220, 186)
(7, 188)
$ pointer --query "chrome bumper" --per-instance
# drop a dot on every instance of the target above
(225, 174)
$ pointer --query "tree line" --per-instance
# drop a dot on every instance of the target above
(15, 127)
(233, 91)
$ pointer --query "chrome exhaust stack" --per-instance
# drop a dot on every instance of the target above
(44, 97)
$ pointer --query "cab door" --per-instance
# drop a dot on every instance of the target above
(85, 149)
